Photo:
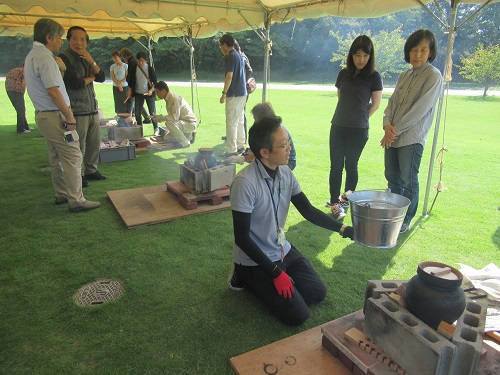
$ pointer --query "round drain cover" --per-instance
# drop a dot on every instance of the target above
(98, 292)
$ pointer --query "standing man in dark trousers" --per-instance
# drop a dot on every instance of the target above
(234, 94)
(54, 117)
(81, 72)
(132, 69)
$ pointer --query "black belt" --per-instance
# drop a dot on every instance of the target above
(50, 110)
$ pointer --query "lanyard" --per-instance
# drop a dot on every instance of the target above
(279, 232)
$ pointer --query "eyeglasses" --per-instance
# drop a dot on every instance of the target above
(286, 145)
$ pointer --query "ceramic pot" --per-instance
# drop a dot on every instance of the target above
(434, 295)
(205, 159)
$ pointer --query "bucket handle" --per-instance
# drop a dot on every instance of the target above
(387, 190)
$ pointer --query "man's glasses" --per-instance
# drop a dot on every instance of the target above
(286, 145)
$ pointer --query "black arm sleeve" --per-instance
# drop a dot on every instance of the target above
(241, 226)
(312, 214)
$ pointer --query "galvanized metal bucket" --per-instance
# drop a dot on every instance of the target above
(377, 217)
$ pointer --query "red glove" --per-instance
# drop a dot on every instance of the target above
(284, 285)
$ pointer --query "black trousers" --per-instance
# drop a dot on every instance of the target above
(346, 146)
(17, 100)
(309, 289)
(139, 104)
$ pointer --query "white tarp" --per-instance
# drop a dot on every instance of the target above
(156, 18)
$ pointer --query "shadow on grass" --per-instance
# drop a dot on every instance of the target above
(343, 265)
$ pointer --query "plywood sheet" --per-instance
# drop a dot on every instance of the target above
(154, 204)
(301, 354)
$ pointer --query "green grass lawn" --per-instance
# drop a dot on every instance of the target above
(177, 315)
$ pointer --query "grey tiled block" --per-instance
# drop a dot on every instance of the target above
(414, 345)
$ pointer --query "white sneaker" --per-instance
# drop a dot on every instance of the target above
(337, 211)
(233, 282)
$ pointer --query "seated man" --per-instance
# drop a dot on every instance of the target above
(180, 120)
(265, 263)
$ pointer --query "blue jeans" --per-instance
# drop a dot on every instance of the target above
(401, 172)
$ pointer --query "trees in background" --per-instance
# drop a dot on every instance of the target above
(387, 45)
(302, 51)
(483, 66)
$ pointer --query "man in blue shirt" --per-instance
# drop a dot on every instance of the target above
(234, 95)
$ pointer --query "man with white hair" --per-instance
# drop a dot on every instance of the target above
(54, 117)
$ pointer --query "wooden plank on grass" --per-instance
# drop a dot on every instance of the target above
(154, 204)
(301, 354)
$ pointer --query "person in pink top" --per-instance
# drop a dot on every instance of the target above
(15, 87)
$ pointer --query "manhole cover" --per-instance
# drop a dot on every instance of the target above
(99, 291)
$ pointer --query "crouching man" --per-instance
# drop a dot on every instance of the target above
(265, 263)
(180, 120)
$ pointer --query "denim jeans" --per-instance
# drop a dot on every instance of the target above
(401, 172)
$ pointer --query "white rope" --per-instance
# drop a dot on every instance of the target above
(440, 155)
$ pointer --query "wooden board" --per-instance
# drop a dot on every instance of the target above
(153, 204)
(301, 354)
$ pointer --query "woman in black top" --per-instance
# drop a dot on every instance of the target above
(359, 90)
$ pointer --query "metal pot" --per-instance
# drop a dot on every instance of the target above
(377, 217)
(205, 158)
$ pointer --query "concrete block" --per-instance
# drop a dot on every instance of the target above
(469, 337)
(375, 288)
(413, 345)
(203, 181)
(220, 176)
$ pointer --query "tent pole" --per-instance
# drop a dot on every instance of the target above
(191, 63)
(150, 52)
(267, 53)
(446, 80)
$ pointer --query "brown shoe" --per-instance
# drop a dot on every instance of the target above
(84, 206)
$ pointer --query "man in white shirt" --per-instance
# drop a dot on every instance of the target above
(180, 121)
(54, 117)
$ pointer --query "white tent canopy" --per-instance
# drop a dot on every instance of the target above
(157, 18)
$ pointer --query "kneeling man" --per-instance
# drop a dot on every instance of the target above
(180, 120)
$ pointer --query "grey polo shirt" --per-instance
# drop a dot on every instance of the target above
(251, 193)
(41, 73)
(411, 107)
